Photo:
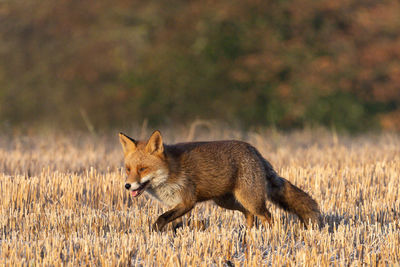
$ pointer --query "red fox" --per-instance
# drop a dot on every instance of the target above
(231, 173)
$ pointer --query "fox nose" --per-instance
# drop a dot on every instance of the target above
(127, 186)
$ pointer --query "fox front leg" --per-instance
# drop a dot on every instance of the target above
(171, 215)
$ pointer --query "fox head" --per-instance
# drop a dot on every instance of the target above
(145, 162)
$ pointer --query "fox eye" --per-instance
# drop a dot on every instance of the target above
(142, 169)
(128, 169)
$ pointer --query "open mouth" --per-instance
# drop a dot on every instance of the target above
(139, 191)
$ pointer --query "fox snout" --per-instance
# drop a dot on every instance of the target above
(133, 186)
(136, 188)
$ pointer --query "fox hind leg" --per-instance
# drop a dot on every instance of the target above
(249, 219)
(254, 204)
(229, 202)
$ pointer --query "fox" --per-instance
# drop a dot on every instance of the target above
(231, 173)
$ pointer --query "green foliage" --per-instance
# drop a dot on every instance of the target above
(286, 64)
(343, 111)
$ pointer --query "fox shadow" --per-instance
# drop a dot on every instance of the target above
(382, 217)
(333, 220)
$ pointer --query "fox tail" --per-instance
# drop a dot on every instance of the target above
(291, 198)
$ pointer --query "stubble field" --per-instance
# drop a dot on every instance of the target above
(62, 201)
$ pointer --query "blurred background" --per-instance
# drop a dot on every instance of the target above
(288, 64)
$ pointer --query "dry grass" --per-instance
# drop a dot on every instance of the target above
(63, 201)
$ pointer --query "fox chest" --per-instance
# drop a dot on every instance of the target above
(169, 194)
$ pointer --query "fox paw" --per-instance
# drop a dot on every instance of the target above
(158, 225)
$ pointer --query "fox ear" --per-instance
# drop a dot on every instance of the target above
(128, 144)
(155, 143)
